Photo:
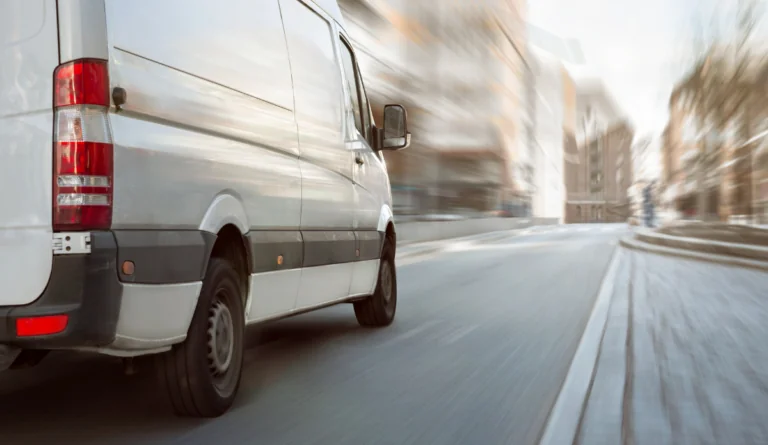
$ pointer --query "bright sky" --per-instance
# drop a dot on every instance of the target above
(638, 48)
(635, 46)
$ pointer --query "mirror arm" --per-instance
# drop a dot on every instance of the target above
(378, 139)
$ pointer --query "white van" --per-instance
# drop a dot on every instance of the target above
(176, 170)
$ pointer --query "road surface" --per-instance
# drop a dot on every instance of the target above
(483, 339)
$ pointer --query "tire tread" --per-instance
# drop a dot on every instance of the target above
(370, 312)
(175, 368)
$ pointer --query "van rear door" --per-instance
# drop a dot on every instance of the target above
(29, 54)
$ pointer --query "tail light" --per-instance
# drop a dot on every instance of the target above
(83, 154)
(45, 325)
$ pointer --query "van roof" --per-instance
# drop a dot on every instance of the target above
(331, 7)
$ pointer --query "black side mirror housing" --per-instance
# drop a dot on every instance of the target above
(394, 135)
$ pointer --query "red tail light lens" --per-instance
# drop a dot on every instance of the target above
(82, 82)
(83, 187)
(36, 326)
(83, 150)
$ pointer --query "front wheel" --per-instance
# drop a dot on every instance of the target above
(202, 375)
(378, 310)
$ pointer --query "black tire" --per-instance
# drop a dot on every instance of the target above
(379, 309)
(188, 372)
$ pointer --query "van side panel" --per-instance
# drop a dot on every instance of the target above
(82, 30)
(237, 44)
(331, 7)
(328, 200)
(29, 54)
(328, 203)
(209, 112)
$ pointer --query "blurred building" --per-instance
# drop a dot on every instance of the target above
(460, 68)
(713, 175)
(642, 153)
(680, 142)
(566, 50)
(686, 175)
(599, 172)
(761, 182)
(554, 107)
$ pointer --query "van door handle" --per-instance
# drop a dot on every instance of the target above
(359, 160)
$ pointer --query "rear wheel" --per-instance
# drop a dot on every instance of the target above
(202, 375)
(378, 310)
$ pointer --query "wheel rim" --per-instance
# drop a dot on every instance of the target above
(221, 344)
(386, 283)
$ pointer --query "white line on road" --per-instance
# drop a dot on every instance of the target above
(563, 421)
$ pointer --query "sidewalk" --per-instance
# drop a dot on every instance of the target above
(727, 233)
(683, 358)
(719, 243)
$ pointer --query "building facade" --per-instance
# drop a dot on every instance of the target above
(679, 151)
(716, 173)
(553, 111)
(599, 173)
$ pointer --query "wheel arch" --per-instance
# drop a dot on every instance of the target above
(233, 246)
(386, 219)
(226, 208)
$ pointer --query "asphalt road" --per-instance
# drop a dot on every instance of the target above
(483, 339)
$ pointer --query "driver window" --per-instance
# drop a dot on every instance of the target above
(360, 106)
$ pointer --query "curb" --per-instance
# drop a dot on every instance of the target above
(682, 252)
(744, 251)
(565, 418)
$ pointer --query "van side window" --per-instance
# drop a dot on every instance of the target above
(357, 93)
(365, 107)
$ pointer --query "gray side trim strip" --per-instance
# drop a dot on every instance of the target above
(311, 248)
(268, 245)
(369, 244)
(164, 256)
(181, 256)
(322, 248)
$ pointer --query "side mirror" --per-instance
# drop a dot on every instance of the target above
(395, 132)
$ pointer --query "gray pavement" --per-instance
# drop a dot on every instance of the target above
(483, 339)
(696, 354)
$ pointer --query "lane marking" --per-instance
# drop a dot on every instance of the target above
(563, 421)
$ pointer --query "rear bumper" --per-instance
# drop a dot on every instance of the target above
(86, 288)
